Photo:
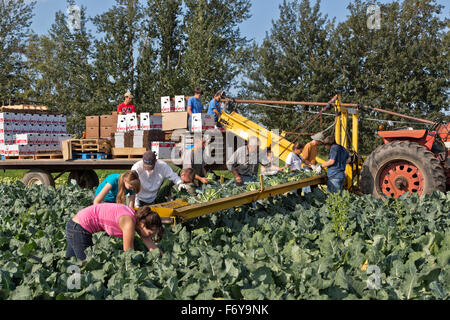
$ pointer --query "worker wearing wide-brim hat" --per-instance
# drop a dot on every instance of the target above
(127, 106)
(309, 152)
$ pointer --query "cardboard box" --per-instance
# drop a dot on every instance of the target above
(122, 123)
(174, 120)
(156, 123)
(91, 121)
(138, 139)
(144, 121)
(167, 105)
(92, 132)
(106, 132)
(108, 120)
(128, 139)
(132, 122)
(163, 150)
(119, 140)
(180, 104)
(202, 122)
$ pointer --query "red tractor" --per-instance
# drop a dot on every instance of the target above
(415, 161)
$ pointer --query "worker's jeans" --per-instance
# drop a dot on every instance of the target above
(335, 185)
(78, 239)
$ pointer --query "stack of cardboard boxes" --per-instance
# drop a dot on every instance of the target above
(101, 127)
(27, 133)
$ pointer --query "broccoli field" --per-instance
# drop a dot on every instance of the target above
(319, 247)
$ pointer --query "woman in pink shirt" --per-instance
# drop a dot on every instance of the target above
(117, 220)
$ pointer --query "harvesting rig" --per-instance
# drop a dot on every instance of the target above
(414, 161)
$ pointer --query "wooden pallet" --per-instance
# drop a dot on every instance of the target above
(128, 153)
(90, 146)
(51, 156)
(23, 157)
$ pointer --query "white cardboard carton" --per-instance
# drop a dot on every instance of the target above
(180, 104)
(132, 122)
(167, 105)
(145, 121)
(163, 150)
(119, 140)
(202, 122)
(122, 123)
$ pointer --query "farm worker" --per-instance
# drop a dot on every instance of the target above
(186, 175)
(116, 186)
(215, 107)
(126, 106)
(271, 168)
(194, 159)
(244, 162)
(309, 152)
(152, 173)
(194, 105)
(294, 160)
(117, 220)
(337, 161)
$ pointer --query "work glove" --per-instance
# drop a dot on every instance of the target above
(181, 186)
(318, 169)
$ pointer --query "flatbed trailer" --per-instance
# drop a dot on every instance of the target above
(82, 171)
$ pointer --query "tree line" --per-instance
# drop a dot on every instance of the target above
(158, 48)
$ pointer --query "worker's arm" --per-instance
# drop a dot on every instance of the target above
(132, 201)
(127, 225)
(189, 110)
(148, 242)
(101, 196)
(327, 164)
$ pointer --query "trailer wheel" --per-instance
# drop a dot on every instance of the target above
(38, 177)
(399, 167)
(86, 179)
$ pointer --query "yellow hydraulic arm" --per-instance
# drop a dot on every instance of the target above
(180, 210)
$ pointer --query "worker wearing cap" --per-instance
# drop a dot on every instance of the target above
(309, 152)
(216, 107)
(244, 162)
(126, 106)
(152, 173)
(194, 105)
(337, 161)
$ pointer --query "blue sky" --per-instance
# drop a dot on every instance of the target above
(263, 13)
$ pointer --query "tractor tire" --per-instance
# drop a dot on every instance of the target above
(38, 177)
(86, 179)
(399, 167)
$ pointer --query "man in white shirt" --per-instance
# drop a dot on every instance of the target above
(152, 173)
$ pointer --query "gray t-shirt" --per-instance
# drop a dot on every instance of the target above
(245, 164)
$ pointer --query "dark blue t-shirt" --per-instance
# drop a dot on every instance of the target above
(340, 156)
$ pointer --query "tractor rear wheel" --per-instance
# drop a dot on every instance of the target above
(399, 167)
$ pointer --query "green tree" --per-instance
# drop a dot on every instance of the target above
(115, 58)
(403, 66)
(214, 48)
(61, 62)
(15, 21)
(293, 63)
(159, 63)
